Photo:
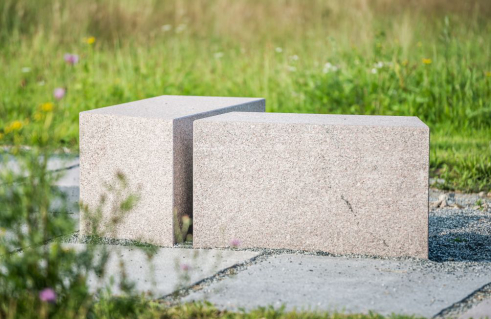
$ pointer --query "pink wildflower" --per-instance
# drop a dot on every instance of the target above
(185, 267)
(47, 295)
(71, 58)
(59, 93)
(235, 243)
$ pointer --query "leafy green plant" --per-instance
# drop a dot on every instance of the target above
(41, 277)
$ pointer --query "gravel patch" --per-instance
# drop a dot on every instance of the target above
(460, 232)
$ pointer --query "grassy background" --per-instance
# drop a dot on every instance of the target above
(426, 58)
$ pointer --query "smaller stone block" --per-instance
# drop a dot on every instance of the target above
(335, 183)
(151, 143)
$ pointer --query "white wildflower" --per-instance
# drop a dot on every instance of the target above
(294, 57)
(166, 28)
(328, 67)
(180, 28)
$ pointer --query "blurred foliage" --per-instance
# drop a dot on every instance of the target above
(413, 58)
(421, 58)
(40, 277)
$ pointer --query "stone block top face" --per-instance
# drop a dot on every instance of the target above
(319, 119)
(171, 106)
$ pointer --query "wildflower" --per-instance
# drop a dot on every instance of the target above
(166, 27)
(59, 93)
(71, 58)
(292, 68)
(328, 67)
(1, 136)
(47, 295)
(379, 65)
(488, 74)
(26, 69)
(185, 267)
(279, 50)
(218, 55)
(14, 126)
(427, 61)
(47, 107)
(89, 40)
(294, 57)
(374, 71)
(405, 62)
(180, 28)
(234, 243)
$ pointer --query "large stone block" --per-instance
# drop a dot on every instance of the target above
(151, 143)
(335, 183)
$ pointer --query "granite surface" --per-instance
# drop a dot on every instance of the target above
(336, 183)
(150, 143)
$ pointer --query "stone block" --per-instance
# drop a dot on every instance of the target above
(335, 183)
(150, 142)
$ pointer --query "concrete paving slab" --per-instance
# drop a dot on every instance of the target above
(68, 184)
(480, 311)
(55, 162)
(168, 264)
(353, 285)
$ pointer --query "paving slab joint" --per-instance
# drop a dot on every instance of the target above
(175, 297)
(465, 304)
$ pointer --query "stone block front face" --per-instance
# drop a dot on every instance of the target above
(150, 143)
(334, 183)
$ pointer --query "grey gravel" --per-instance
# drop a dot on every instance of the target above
(460, 234)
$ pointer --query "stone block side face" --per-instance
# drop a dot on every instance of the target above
(183, 154)
(142, 150)
(335, 188)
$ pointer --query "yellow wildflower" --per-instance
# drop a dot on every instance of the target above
(14, 126)
(89, 40)
(1, 136)
(488, 74)
(427, 61)
(47, 107)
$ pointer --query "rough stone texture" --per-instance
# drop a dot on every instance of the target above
(150, 142)
(352, 285)
(335, 183)
(163, 273)
(481, 310)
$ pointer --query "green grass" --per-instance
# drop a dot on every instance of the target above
(277, 50)
(206, 310)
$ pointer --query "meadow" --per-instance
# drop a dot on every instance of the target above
(429, 59)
